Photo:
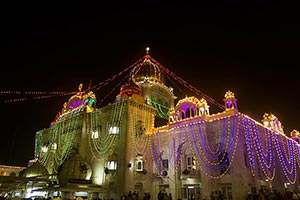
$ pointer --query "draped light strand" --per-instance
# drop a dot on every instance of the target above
(107, 81)
(206, 168)
(6, 92)
(249, 144)
(206, 156)
(112, 90)
(92, 133)
(288, 165)
(44, 156)
(173, 156)
(102, 145)
(65, 139)
(285, 147)
(159, 110)
(267, 163)
(139, 140)
(46, 95)
(297, 154)
(219, 147)
(179, 146)
(187, 85)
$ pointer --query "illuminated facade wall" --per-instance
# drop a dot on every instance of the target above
(196, 152)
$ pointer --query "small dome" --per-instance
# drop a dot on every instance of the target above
(35, 170)
(74, 168)
(130, 88)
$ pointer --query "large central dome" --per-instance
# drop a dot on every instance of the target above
(147, 71)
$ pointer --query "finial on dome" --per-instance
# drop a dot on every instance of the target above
(147, 50)
(80, 87)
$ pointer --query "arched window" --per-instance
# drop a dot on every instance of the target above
(139, 165)
(12, 174)
(188, 112)
(112, 165)
(112, 162)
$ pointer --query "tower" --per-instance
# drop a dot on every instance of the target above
(149, 76)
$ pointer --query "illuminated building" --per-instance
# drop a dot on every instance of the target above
(148, 141)
(8, 177)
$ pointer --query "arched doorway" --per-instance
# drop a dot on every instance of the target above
(138, 188)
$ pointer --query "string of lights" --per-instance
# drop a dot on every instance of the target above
(46, 94)
(107, 81)
(177, 85)
(111, 91)
(6, 92)
(187, 85)
(31, 98)
(279, 148)
(32, 95)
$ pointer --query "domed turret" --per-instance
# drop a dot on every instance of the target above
(77, 103)
(189, 107)
(128, 89)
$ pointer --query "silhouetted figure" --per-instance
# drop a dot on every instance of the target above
(261, 195)
(130, 197)
(220, 195)
(160, 195)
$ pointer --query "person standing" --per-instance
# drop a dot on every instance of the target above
(295, 195)
(261, 195)
(212, 195)
(220, 195)
(129, 195)
(160, 195)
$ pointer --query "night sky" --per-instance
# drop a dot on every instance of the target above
(251, 49)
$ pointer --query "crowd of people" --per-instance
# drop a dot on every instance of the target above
(216, 195)
(275, 195)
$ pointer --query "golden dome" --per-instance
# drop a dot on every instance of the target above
(35, 170)
(147, 71)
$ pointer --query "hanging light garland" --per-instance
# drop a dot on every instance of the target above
(65, 138)
(205, 143)
(60, 139)
(159, 108)
(101, 143)
(139, 133)
(174, 151)
(45, 149)
(187, 85)
(211, 165)
(250, 154)
(29, 95)
(265, 157)
(287, 151)
(288, 163)
(205, 158)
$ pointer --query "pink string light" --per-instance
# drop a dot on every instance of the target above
(107, 81)
(95, 88)
(187, 85)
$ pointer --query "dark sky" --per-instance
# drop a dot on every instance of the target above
(251, 49)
